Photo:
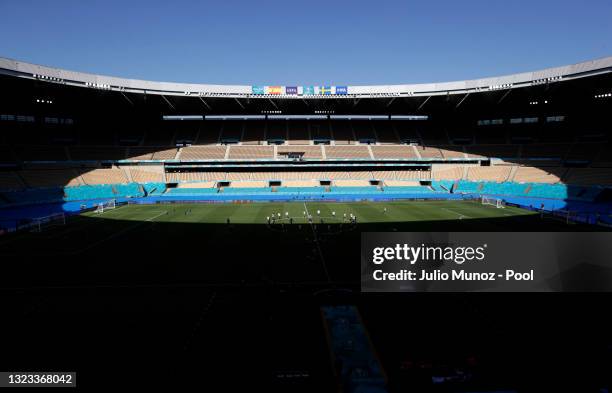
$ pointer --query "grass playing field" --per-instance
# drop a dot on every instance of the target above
(257, 213)
(158, 229)
(175, 242)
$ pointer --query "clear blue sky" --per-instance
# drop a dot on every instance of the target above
(305, 42)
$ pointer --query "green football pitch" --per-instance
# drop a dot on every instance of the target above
(162, 229)
(193, 244)
(332, 213)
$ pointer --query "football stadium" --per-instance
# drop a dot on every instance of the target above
(243, 197)
(187, 236)
(528, 143)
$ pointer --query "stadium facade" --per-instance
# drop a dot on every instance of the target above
(72, 141)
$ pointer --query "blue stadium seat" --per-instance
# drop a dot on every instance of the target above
(408, 189)
(81, 193)
(554, 191)
(154, 188)
(191, 191)
(503, 188)
(442, 185)
(354, 190)
(300, 190)
(247, 190)
(468, 187)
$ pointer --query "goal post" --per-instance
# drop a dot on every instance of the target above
(498, 203)
(42, 223)
(103, 206)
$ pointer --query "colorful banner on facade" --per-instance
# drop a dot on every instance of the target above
(309, 90)
(300, 90)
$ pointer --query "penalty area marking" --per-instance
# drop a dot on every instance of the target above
(461, 216)
(90, 223)
(159, 215)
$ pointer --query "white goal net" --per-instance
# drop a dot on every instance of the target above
(42, 223)
(498, 203)
(108, 205)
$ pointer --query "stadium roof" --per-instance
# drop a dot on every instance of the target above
(93, 81)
